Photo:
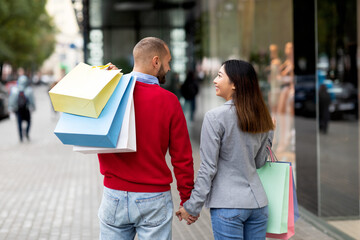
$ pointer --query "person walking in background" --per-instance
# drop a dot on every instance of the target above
(189, 89)
(137, 197)
(22, 103)
(234, 140)
(324, 113)
(175, 84)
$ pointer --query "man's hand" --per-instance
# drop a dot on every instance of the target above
(183, 214)
(111, 66)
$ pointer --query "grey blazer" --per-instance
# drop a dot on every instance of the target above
(227, 177)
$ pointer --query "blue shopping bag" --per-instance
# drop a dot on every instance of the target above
(97, 132)
(296, 206)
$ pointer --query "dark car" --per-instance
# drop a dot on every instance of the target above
(344, 100)
(4, 113)
(305, 96)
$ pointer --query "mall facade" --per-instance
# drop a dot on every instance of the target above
(306, 57)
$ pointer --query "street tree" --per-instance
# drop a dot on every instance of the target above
(27, 33)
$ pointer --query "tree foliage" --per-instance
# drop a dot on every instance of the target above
(27, 33)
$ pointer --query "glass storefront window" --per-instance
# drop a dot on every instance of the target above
(322, 99)
(259, 32)
(338, 131)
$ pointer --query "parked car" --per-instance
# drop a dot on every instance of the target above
(305, 96)
(344, 97)
(344, 100)
(4, 96)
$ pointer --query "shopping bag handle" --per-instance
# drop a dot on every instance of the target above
(273, 157)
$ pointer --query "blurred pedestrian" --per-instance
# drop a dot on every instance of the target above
(175, 84)
(234, 140)
(324, 113)
(189, 90)
(137, 197)
(22, 103)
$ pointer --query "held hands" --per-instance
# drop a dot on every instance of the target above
(183, 214)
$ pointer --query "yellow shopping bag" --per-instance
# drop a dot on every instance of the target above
(85, 90)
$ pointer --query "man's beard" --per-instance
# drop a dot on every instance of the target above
(161, 75)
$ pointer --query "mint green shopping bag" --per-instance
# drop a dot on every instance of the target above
(275, 179)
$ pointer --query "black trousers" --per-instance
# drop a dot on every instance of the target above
(21, 117)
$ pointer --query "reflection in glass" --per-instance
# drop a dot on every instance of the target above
(274, 78)
(324, 104)
(281, 100)
(338, 102)
(253, 31)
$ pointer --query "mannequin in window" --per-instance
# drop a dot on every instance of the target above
(274, 78)
(285, 108)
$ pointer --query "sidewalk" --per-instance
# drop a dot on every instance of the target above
(49, 192)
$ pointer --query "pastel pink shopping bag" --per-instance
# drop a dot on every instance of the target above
(296, 205)
(291, 223)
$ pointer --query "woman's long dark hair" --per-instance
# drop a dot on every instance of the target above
(252, 112)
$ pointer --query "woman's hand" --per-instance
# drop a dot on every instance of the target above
(183, 214)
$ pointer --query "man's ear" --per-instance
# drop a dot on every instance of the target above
(156, 62)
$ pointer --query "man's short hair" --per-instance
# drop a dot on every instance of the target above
(148, 48)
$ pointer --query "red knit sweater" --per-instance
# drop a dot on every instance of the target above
(160, 125)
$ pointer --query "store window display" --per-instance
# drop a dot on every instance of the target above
(281, 99)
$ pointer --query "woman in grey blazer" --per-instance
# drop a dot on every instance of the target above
(233, 144)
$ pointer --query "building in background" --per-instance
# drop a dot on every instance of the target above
(297, 47)
(69, 40)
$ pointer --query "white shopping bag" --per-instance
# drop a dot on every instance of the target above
(127, 137)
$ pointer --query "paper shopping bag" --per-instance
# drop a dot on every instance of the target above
(296, 206)
(291, 223)
(127, 138)
(85, 90)
(275, 179)
(96, 132)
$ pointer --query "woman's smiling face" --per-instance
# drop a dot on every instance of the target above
(223, 86)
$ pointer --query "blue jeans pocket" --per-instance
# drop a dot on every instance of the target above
(230, 214)
(152, 209)
(108, 208)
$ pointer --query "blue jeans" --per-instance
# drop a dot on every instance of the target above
(123, 214)
(238, 223)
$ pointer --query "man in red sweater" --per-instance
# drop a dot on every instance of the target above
(137, 197)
